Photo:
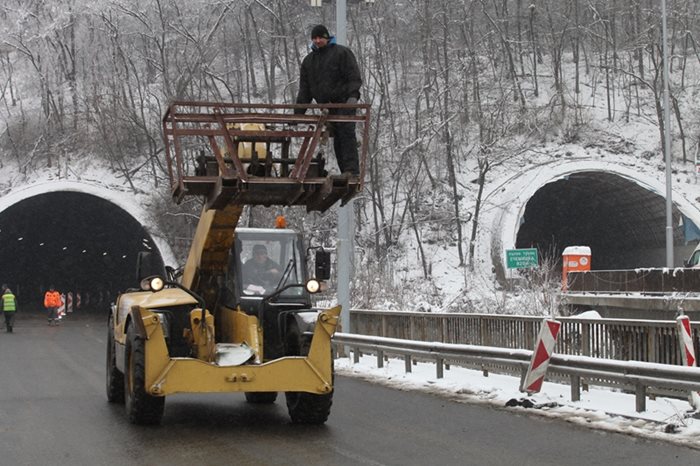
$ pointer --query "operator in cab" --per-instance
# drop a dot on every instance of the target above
(260, 272)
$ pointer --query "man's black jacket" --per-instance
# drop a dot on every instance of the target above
(329, 75)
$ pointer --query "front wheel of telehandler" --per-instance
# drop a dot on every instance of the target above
(305, 408)
(141, 407)
(115, 379)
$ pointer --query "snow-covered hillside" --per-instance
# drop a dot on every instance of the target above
(523, 98)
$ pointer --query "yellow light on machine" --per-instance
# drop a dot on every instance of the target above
(280, 222)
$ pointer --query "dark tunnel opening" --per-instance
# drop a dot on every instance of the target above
(75, 241)
(623, 223)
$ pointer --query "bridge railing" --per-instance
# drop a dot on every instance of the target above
(620, 339)
(651, 280)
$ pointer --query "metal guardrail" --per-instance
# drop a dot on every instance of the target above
(618, 339)
(639, 375)
(643, 280)
(657, 306)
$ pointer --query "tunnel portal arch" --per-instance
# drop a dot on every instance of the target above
(618, 211)
(76, 236)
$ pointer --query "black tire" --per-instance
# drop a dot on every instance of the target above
(115, 379)
(141, 408)
(305, 408)
(261, 398)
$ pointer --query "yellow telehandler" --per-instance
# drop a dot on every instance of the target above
(224, 324)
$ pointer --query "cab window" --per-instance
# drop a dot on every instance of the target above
(269, 264)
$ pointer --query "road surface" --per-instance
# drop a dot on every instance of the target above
(53, 411)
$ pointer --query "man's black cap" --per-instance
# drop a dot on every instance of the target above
(320, 31)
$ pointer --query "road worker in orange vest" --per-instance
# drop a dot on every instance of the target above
(52, 301)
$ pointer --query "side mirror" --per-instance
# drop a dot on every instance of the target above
(147, 265)
(143, 261)
(323, 264)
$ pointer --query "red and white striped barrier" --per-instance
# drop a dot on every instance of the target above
(62, 308)
(532, 383)
(687, 352)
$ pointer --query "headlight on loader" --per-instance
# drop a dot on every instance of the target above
(154, 283)
(313, 286)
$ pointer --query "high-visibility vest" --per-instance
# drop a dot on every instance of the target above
(52, 299)
(9, 303)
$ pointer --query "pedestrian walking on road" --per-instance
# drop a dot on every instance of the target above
(52, 301)
(9, 307)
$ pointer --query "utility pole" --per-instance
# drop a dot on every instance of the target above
(667, 145)
(346, 213)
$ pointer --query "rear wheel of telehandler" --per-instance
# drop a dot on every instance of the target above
(115, 379)
(305, 408)
(261, 398)
(141, 408)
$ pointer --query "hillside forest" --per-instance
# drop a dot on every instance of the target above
(457, 88)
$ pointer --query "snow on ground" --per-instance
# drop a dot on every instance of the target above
(665, 419)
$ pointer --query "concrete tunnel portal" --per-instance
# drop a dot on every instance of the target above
(75, 241)
(83, 241)
(623, 223)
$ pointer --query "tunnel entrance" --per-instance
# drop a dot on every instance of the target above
(623, 223)
(75, 241)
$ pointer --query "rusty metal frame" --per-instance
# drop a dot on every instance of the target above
(301, 166)
(216, 122)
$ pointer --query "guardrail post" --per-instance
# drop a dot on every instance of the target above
(380, 359)
(530, 332)
(356, 355)
(443, 331)
(483, 341)
(575, 388)
(407, 363)
(651, 345)
(439, 368)
(523, 374)
(586, 339)
(640, 397)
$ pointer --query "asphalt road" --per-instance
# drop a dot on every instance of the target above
(53, 411)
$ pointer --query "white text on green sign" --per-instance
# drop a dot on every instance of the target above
(521, 258)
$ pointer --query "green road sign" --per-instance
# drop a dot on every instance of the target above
(521, 258)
